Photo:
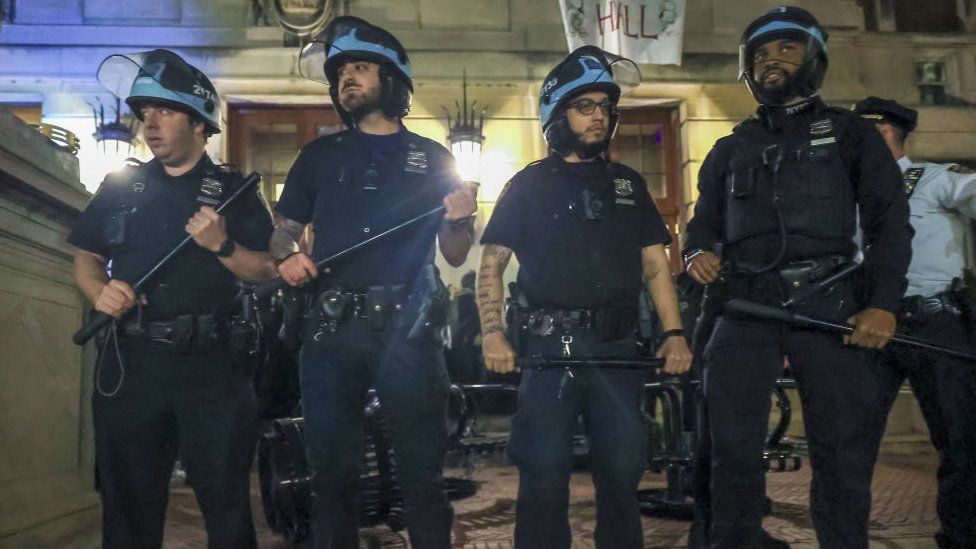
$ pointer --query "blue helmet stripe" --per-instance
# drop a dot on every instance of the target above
(146, 86)
(350, 44)
(774, 26)
(589, 76)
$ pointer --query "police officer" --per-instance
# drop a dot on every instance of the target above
(779, 197)
(350, 186)
(584, 230)
(942, 199)
(166, 381)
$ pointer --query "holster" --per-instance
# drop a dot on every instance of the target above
(244, 341)
(515, 308)
(434, 303)
(294, 303)
(964, 294)
(837, 301)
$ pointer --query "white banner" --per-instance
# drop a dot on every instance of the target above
(646, 31)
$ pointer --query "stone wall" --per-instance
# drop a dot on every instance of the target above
(47, 496)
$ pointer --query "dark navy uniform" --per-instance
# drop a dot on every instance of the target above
(351, 186)
(170, 383)
(782, 193)
(577, 230)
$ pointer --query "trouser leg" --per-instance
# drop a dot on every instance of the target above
(135, 448)
(411, 379)
(743, 360)
(843, 392)
(541, 446)
(334, 379)
(216, 413)
(618, 453)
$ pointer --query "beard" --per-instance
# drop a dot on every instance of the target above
(781, 92)
(588, 149)
(361, 104)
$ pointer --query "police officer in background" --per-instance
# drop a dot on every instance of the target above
(166, 380)
(350, 186)
(942, 199)
(584, 230)
(779, 196)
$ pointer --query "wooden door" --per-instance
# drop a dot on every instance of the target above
(647, 141)
(267, 138)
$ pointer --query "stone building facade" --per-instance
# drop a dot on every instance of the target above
(922, 54)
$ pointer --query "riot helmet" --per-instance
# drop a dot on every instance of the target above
(350, 38)
(161, 76)
(785, 22)
(586, 69)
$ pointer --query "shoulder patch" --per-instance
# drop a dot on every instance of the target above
(962, 170)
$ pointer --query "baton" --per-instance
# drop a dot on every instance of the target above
(776, 314)
(544, 363)
(100, 319)
(278, 283)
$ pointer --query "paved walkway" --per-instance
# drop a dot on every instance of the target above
(903, 515)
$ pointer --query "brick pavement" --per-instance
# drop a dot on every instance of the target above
(903, 515)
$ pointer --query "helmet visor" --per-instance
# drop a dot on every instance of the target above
(747, 51)
(355, 38)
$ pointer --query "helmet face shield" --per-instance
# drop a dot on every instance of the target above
(348, 38)
(160, 75)
(587, 68)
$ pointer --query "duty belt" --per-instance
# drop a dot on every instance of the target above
(377, 305)
(917, 306)
(544, 322)
(184, 333)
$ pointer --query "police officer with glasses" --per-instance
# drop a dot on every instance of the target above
(588, 238)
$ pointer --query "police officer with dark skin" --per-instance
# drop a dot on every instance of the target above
(165, 380)
(942, 198)
(350, 186)
(779, 197)
(584, 230)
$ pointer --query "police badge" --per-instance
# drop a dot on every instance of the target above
(416, 162)
(821, 127)
(210, 191)
(623, 187)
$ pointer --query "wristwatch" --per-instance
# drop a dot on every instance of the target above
(226, 249)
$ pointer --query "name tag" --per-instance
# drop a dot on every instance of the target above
(823, 141)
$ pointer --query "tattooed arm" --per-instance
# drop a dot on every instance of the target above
(499, 356)
(657, 277)
(294, 265)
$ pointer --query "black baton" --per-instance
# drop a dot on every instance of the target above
(545, 363)
(99, 320)
(269, 288)
(776, 314)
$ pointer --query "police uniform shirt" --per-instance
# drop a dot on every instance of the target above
(353, 186)
(194, 281)
(565, 259)
(942, 198)
(832, 165)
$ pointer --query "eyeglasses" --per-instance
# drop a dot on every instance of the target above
(587, 106)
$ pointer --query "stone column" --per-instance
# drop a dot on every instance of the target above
(47, 496)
